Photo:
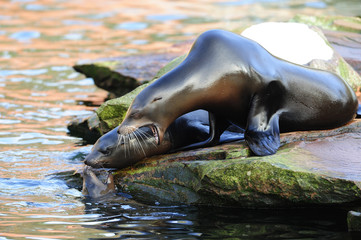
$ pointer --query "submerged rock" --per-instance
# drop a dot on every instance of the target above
(354, 221)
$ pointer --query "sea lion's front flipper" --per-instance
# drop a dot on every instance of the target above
(262, 132)
(264, 140)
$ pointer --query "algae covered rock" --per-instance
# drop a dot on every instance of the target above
(298, 175)
(107, 78)
(120, 75)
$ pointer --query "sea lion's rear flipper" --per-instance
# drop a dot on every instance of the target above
(358, 113)
(217, 126)
(262, 132)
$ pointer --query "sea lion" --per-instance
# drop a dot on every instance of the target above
(237, 81)
(94, 187)
(190, 128)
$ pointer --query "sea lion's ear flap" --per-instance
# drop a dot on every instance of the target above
(156, 99)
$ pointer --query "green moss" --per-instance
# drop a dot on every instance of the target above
(107, 78)
(240, 151)
(108, 64)
(336, 23)
(112, 112)
(350, 75)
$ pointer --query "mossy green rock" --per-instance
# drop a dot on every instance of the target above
(298, 175)
(121, 75)
(106, 77)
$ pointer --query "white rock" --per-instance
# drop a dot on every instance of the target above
(294, 42)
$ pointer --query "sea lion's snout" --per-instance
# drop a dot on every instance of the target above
(90, 160)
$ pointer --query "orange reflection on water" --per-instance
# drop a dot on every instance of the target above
(15, 235)
(73, 30)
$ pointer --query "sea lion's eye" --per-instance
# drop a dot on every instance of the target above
(136, 115)
(106, 151)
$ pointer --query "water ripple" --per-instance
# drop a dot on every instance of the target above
(25, 36)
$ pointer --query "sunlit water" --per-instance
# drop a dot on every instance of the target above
(40, 93)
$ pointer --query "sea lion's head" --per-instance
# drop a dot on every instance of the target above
(117, 151)
(103, 153)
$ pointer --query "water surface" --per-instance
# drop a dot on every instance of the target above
(40, 93)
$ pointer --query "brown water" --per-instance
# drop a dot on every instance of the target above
(40, 40)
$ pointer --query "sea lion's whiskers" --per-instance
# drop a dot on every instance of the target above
(125, 146)
(119, 140)
(128, 144)
(146, 135)
(102, 166)
(143, 136)
(132, 144)
(139, 144)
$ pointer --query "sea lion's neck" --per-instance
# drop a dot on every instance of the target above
(178, 90)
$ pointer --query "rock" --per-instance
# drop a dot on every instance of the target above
(86, 128)
(108, 79)
(304, 172)
(120, 75)
(348, 45)
(354, 221)
(123, 74)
